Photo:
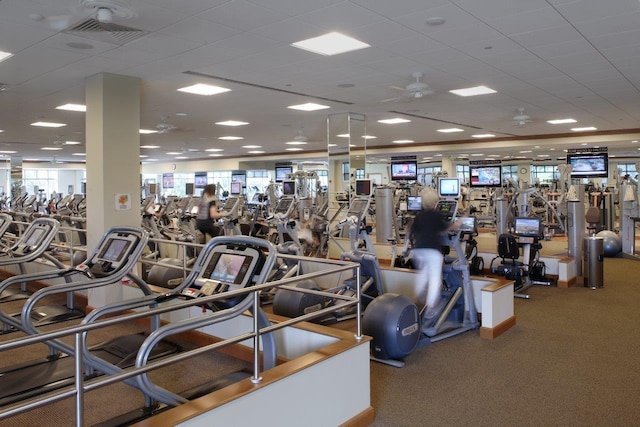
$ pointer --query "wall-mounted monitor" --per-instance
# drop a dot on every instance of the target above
(200, 179)
(236, 188)
(406, 170)
(288, 188)
(589, 165)
(167, 180)
(449, 187)
(485, 176)
(363, 187)
(239, 177)
(527, 227)
(282, 171)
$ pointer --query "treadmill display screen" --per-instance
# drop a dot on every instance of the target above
(357, 208)
(283, 206)
(34, 237)
(229, 204)
(228, 268)
(414, 203)
(115, 249)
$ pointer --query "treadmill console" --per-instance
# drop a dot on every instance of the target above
(448, 209)
(36, 235)
(229, 267)
(358, 209)
(111, 255)
(231, 206)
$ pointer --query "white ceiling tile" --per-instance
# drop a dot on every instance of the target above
(381, 32)
(455, 18)
(399, 8)
(547, 36)
(60, 40)
(578, 46)
(294, 7)
(162, 46)
(488, 9)
(35, 61)
(288, 31)
(199, 30)
(530, 70)
(609, 24)
(340, 17)
(189, 6)
(589, 10)
(627, 38)
(242, 15)
(473, 33)
(413, 46)
(524, 22)
(574, 63)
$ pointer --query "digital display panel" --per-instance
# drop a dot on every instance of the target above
(357, 208)
(115, 249)
(414, 203)
(449, 187)
(289, 188)
(34, 237)
(589, 165)
(200, 179)
(228, 268)
(230, 204)
(468, 224)
(363, 187)
(485, 176)
(527, 227)
(167, 180)
(283, 205)
(236, 188)
(407, 170)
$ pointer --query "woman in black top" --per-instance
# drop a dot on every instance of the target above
(208, 213)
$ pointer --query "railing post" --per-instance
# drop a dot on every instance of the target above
(256, 378)
(79, 377)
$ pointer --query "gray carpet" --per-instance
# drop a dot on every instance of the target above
(571, 360)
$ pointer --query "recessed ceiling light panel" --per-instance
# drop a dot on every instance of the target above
(473, 91)
(450, 130)
(72, 107)
(309, 106)
(394, 121)
(147, 131)
(48, 124)
(203, 89)
(230, 138)
(483, 135)
(584, 129)
(5, 55)
(329, 44)
(561, 121)
(232, 123)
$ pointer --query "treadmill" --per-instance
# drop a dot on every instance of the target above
(225, 264)
(31, 245)
(114, 257)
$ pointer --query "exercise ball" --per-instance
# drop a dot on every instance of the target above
(612, 242)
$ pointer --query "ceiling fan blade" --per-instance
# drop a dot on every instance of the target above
(397, 88)
(392, 99)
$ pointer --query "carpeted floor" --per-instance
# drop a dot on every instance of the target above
(571, 360)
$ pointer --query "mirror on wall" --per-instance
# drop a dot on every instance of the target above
(346, 152)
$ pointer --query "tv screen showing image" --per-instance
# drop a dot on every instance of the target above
(282, 171)
(449, 187)
(200, 179)
(241, 178)
(485, 176)
(167, 180)
(527, 227)
(407, 170)
(414, 203)
(591, 165)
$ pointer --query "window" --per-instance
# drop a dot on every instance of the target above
(257, 182)
(43, 179)
(462, 172)
(359, 173)
(510, 172)
(544, 174)
(627, 169)
(425, 174)
(345, 172)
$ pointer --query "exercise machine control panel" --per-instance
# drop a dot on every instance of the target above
(228, 267)
(111, 255)
(35, 239)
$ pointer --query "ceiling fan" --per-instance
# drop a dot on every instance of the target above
(521, 118)
(414, 90)
(164, 126)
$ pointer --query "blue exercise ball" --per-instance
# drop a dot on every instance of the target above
(612, 242)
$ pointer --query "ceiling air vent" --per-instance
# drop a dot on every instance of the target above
(106, 32)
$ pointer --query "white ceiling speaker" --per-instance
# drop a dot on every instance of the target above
(521, 118)
(414, 90)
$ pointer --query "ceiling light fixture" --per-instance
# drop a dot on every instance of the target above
(147, 131)
(403, 141)
(332, 43)
(296, 143)
(252, 146)
(7, 152)
(309, 106)
(450, 130)
(48, 124)
(561, 121)
(394, 121)
(72, 143)
(483, 135)
(51, 148)
(150, 146)
(5, 55)
(255, 152)
(232, 123)
(72, 107)
(584, 129)
(214, 150)
(230, 138)
(203, 89)
(294, 149)
(473, 91)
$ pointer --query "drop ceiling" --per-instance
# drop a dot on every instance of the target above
(553, 58)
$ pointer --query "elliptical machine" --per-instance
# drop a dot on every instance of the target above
(394, 321)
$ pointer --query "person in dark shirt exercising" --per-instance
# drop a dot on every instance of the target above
(208, 213)
(426, 232)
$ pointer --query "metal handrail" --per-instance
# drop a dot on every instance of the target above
(81, 386)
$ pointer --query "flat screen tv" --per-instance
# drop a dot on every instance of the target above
(449, 187)
(363, 187)
(282, 171)
(167, 180)
(414, 203)
(485, 176)
(200, 179)
(404, 170)
(589, 165)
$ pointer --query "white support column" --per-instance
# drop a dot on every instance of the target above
(113, 162)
